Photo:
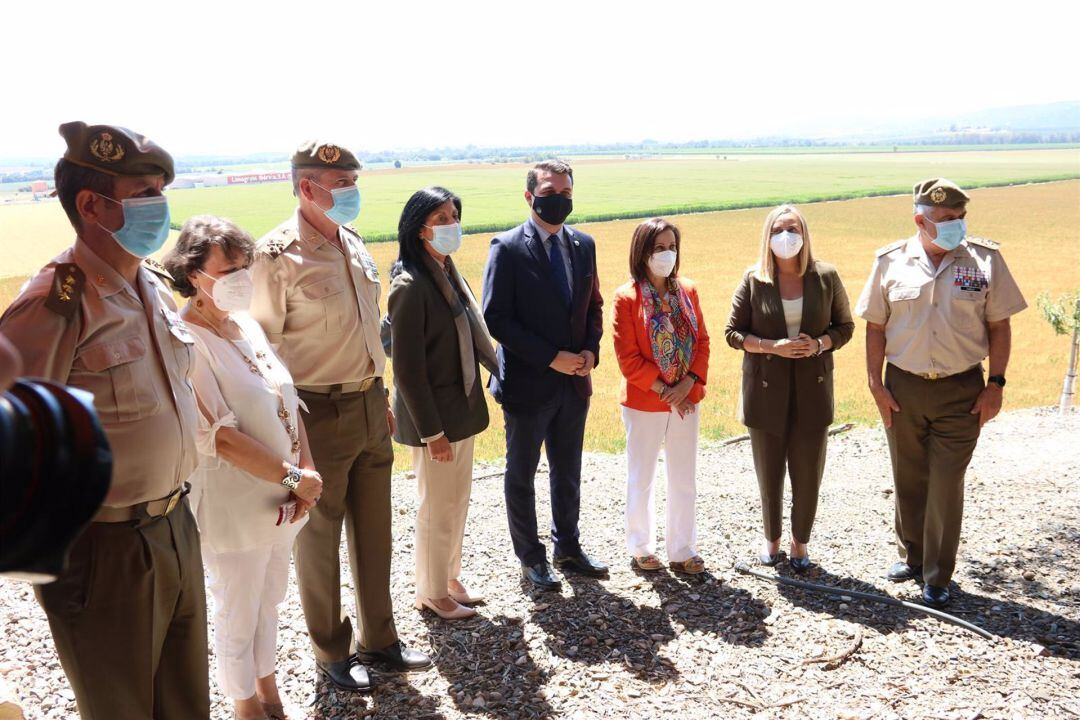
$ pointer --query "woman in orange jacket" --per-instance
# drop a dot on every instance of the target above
(663, 352)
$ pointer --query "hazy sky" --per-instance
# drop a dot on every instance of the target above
(235, 77)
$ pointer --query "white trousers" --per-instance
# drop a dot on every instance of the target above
(444, 490)
(646, 432)
(247, 587)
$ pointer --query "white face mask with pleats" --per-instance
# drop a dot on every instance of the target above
(232, 292)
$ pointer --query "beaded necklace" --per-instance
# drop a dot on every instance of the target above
(283, 413)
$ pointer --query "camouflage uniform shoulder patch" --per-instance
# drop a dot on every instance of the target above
(66, 291)
(983, 242)
(890, 248)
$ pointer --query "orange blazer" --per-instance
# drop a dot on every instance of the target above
(634, 351)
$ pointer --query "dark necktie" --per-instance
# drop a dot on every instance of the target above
(558, 269)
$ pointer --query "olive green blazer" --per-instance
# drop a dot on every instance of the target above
(770, 383)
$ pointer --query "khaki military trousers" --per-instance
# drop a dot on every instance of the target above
(350, 443)
(931, 442)
(128, 617)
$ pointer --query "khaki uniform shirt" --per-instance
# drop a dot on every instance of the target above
(318, 306)
(128, 347)
(935, 318)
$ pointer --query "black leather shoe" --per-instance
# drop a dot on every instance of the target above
(934, 596)
(347, 674)
(799, 564)
(581, 563)
(901, 571)
(398, 657)
(541, 576)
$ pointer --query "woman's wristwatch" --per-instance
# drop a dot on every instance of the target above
(693, 376)
(292, 478)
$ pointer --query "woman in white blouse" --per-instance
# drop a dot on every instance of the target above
(256, 480)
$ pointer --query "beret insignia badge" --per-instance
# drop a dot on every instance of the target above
(329, 154)
(938, 195)
(105, 149)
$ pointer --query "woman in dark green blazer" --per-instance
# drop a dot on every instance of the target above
(438, 341)
(789, 315)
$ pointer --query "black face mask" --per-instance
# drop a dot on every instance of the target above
(553, 209)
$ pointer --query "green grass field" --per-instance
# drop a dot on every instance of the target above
(606, 189)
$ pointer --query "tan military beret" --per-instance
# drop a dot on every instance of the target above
(115, 151)
(317, 154)
(939, 192)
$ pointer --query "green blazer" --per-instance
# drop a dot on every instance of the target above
(770, 383)
(429, 393)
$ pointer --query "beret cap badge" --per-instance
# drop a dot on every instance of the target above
(105, 149)
(329, 154)
(938, 195)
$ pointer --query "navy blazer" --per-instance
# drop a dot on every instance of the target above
(527, 315)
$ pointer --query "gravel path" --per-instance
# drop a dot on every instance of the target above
(726, 645)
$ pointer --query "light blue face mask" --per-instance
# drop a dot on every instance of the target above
(445, 238)
(346, 205)
(146, 224)
(949, 233)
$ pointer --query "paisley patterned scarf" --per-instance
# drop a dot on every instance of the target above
(672, 334)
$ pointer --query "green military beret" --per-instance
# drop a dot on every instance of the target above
(316, 154)
(939, 192)
(115, 150)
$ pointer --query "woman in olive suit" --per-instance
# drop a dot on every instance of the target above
(789, 315)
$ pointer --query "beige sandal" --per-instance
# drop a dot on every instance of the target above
(274, 712)
(646, 562)
(693, 566)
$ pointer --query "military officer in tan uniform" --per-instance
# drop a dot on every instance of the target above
(936, 305)
(128, 616)
(317, 298)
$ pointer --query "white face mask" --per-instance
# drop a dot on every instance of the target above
(786, 244)
(662, 263)
(232, 292)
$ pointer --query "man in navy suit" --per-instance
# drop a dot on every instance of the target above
(542, 304)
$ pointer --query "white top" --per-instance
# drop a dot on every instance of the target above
(234, 509)
(792, 315)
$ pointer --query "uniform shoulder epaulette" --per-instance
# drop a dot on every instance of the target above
(890, 247)
(158, 270)
(983, 242)
(275, 243)
(353, 231)
(68, 281)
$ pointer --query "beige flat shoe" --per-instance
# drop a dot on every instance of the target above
(238, 716)
(274, 712)
(464, 598)
(459, 613)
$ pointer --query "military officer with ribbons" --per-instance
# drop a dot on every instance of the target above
(936, 305)
(317, 297)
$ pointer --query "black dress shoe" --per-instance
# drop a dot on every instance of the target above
(934, 596)
(347, 674)
(581, 563)
(799, 564)
(540, 576)
(397, 657)
(901, 571)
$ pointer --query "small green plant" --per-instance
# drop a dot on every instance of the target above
(1064, 316)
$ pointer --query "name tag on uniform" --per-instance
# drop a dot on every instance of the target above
(970, 279)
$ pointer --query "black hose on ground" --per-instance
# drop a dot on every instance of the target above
(883, 599)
